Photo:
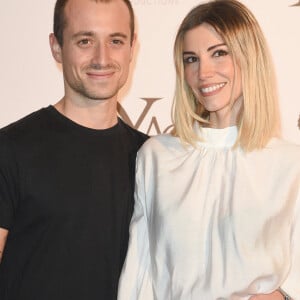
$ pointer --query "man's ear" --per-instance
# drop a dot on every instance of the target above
(55, 48)
(133, 46)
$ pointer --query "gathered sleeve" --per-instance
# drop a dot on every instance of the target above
(292, 284)
(135, 281)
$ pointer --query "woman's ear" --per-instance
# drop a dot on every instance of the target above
(55, 48)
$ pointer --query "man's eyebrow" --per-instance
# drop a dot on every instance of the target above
(91, 33)
(119, 34)
(83, 33)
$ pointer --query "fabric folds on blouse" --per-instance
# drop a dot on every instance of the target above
(213, 222)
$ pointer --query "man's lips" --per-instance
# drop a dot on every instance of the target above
(100, 75)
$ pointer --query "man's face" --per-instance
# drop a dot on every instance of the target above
(96, 50)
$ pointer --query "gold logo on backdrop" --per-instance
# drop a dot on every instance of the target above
(154, 124)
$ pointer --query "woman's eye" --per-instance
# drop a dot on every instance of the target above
(220, 53)
(190, 59)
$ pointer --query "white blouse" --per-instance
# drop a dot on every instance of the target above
(213, 222)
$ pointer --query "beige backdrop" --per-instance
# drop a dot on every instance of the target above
(29, 78)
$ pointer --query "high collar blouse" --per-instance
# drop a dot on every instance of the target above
(212, 221)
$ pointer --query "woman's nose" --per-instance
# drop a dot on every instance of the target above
(206, 70)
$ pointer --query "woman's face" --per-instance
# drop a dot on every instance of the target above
(210, 73)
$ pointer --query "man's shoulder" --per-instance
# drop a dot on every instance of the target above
(26, 123)
(135, 134)
(27, 131)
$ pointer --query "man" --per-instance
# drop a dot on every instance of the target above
(67, 171)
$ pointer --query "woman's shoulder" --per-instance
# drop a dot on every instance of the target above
(160, 146)
(284, 148)
(283, 153)
(161, 141)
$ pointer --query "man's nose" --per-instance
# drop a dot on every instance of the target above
(101, 55)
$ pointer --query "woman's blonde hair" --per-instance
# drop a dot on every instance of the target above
(258, 119)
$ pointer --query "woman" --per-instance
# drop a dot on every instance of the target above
(217, 212)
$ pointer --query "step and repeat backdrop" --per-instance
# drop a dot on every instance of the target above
(30, 79)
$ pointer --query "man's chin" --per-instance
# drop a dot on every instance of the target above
(100, 96)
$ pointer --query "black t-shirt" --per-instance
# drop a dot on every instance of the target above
(66, 196)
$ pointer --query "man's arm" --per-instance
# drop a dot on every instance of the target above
(3, 236)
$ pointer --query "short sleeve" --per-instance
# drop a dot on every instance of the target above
(8, 187)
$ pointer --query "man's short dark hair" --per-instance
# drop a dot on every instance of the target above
(59, 22)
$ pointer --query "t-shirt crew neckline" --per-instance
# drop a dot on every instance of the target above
(70, 123)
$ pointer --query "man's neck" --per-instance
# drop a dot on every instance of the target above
(97, 115)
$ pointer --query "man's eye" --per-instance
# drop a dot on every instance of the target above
(117, 42)
(84, 42)
(190, 59)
